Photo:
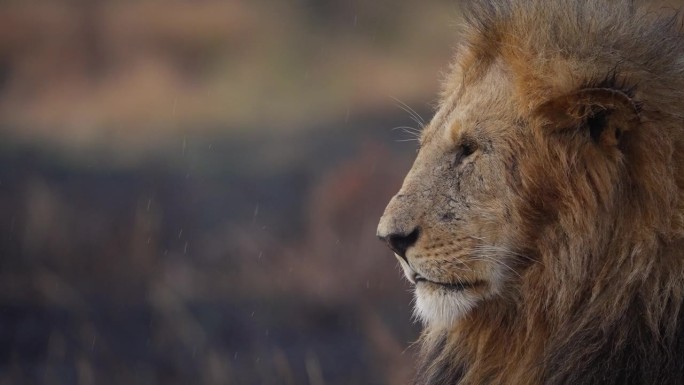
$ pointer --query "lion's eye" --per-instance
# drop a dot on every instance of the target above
(465, 149)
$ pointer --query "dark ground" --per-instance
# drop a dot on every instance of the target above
(211, 266)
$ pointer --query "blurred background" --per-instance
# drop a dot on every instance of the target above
(189, 190)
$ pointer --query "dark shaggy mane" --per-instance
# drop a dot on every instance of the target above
(625, 42)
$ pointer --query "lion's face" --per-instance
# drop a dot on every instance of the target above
(490, 180)
(455, 213)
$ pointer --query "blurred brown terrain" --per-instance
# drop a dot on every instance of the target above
(189, 189)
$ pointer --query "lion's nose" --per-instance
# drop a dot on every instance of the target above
(399, 243)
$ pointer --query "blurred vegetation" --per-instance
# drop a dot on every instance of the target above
(189, 190)
(138, 72)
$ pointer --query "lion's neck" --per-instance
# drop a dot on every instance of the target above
(490, 346)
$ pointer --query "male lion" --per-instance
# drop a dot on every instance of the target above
(543, 220)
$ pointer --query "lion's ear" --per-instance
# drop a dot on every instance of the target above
(604, 114)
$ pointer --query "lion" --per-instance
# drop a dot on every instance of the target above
(542, 223)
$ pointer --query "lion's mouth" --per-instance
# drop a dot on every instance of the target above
(458, 286)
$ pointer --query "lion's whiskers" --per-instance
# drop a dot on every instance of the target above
(412, 113)
(498, 261)
(504, 251)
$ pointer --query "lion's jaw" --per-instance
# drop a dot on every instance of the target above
(438, 305)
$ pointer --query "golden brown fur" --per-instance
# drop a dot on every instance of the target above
(551, 179)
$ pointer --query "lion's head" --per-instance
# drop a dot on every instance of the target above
(545, 207)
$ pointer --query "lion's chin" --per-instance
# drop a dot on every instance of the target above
(437, 306)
